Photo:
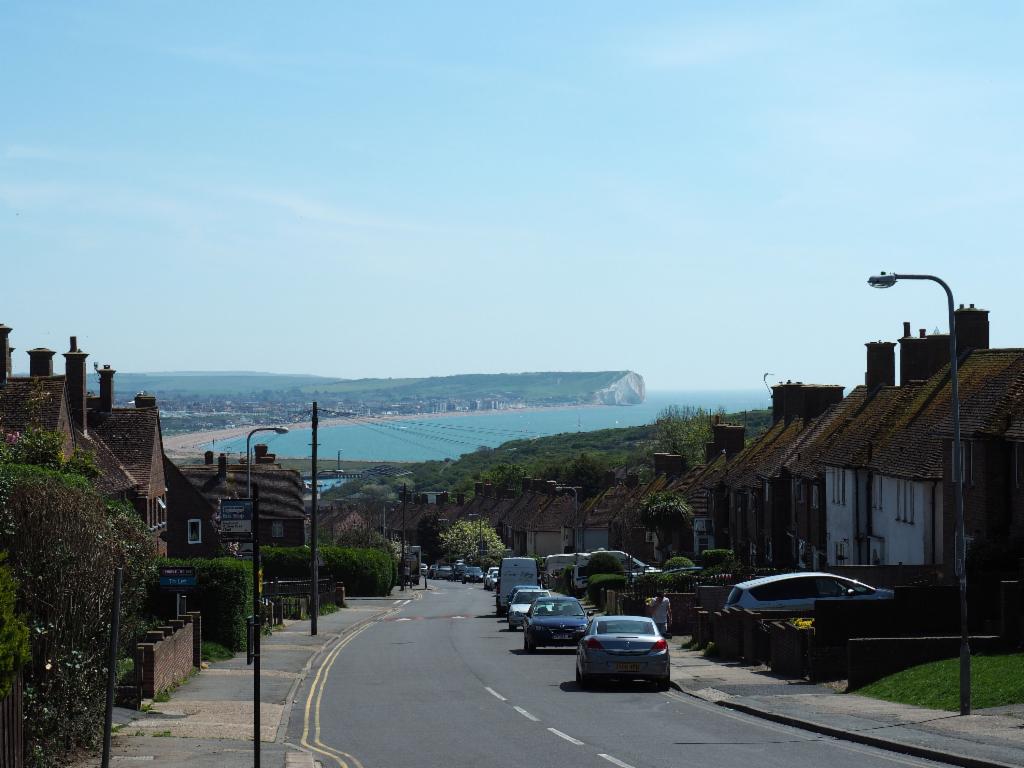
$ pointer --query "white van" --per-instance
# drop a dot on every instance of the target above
(554, 565)
(512, 572)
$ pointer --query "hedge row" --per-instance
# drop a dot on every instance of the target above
(13, 632)
(364, 572)
(600, 582)
(223, 594)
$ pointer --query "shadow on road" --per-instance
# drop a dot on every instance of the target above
(610, 686)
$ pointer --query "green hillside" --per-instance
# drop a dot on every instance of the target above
(530, 387)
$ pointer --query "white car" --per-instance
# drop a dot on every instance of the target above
(798, 591)
(519, 605)
(491, 577)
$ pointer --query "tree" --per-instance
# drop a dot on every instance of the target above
(504, 475)
(666, 513)
(684, 431)
(603, 562)
(428, 533)
(461, 539)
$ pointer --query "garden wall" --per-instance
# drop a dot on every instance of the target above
(872, 658)
(168, 655)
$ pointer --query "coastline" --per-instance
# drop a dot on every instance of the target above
(192, 444)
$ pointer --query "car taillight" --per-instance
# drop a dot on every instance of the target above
(659, 645)
(595, 644)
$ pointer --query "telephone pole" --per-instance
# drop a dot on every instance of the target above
(314, 554)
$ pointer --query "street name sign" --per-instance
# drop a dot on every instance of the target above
(235, 519)
(177, 578)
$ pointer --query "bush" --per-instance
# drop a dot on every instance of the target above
(603, 562)
(223, 595)
(677, 562)
(64, 543)
(13, 632)
(711, 558)
(564, 584)
(601, 582)
(364, 572)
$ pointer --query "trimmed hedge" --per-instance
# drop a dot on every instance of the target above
(602, 562)
(598, 583)
(709, 558)
(223, 594)
(364, 572)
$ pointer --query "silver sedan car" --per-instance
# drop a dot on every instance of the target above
(622, 647)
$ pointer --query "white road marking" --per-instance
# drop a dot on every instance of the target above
(566, 736)
(615, 761)
(495, 694)
(458, 617)
(525, 714)
(404, 619)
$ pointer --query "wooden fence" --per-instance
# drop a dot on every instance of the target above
(12, 728)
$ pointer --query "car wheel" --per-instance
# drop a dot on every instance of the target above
(664, 684)
(583, 681)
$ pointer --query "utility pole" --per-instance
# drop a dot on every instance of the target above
(314, 554)
(405, 504)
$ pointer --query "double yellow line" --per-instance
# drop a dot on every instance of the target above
(316, 693)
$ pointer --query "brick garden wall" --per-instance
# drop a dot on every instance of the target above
(872, 658)
(169, 654)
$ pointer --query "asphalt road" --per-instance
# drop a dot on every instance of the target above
(441, 682)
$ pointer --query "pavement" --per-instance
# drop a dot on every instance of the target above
(208, 721)
(987, 738)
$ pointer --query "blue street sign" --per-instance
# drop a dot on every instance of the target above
(177, 578)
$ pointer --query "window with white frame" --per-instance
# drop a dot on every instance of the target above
(842, 483)
(876, 493)
(798, 489)
(814, 496)
(840, 551)
(195, 531)
(277, 529)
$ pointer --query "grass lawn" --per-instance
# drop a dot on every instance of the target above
(215, 652)
(995, 681)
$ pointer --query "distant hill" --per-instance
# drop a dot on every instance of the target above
(612, 387)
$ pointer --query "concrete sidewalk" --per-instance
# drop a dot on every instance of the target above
(208, 722)
(989, 738)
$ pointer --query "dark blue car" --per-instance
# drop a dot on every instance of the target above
(553, 621)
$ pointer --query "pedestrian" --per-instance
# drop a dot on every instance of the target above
(405, 574)
(660, 609)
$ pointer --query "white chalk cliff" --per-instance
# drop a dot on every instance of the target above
(628, 390)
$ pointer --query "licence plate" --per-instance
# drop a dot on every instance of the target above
(562, 636)
(622, 667)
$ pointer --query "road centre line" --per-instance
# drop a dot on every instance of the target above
(566, 736)
(495, 694)
(526, 714)
(614, 761)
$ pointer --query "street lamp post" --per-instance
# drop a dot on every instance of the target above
(960, 548)
(575, 523)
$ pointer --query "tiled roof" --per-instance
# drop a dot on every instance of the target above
(32, 402)
(133, 436)
(804, 458)
(280, 489)
(996, 407)
(763, 457)
(114, 479)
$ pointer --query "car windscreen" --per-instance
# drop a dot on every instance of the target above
(625, 627)
(527, 596)
(562, 608)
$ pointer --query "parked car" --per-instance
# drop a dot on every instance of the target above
(473, 574)
(798, 591)
(553, 621)
(520, 603)
(491, 578)
(622, 647)
(444, 572)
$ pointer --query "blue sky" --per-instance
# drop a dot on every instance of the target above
(695, 191)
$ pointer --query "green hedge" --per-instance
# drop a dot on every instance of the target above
(364, 572)
(712, 557)
(14, 652)
(223, 595)
(599, 582)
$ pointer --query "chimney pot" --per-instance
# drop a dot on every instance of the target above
(972, 306)
(922, 333)
(208, 458)
(40, 362)
(106, 388)
(222, 466)
(906, 328)
(5, 354)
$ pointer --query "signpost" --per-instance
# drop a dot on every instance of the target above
(236, 519)
(179, 579)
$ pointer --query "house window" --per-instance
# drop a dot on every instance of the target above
(277, 529)
(814, 496)
(840, 551)
(798, 488)
(195, 531)
(842, 483)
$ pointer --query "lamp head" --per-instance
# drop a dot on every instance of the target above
(883, 280)
(281, 430)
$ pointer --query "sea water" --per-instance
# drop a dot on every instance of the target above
(451, 435)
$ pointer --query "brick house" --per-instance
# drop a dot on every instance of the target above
(282, 511)
(126, 442)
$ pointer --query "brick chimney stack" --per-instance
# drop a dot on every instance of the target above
(145, 400)
(805, 401)
(74, 373)
(971, 328)
(106, 388)
(40, 362)
(222, 466)
(881, 364)
(5, 354)
(726, 438)
(208, 458)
